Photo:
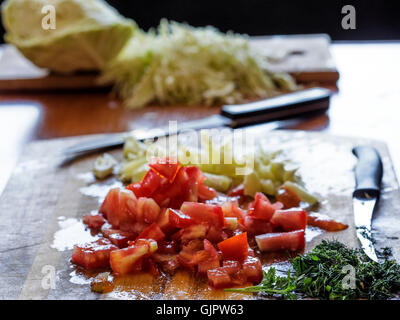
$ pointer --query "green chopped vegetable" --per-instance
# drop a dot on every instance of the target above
(104, 166)
(88, 34)
(181, 64)
(325, 273)
(218, 182)
(301, 192)
(251, 184)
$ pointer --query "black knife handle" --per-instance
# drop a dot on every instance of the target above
(279, 107)
(368, 171)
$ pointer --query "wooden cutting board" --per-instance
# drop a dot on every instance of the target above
(43, 204)
(306, 57)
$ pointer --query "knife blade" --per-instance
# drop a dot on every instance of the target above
(368, 175)
(280, 107)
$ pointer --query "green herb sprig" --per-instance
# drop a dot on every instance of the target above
(332, 271)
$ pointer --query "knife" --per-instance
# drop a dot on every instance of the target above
(280, 107)
(368, 174)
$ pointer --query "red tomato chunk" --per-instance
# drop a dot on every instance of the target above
(94, 254)
(292, 241)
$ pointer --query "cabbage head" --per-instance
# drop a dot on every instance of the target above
(88, 34)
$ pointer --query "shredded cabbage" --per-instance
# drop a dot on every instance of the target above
(180, 64)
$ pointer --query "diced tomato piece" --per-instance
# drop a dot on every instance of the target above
(257, 226)
(205, 192)
(94, 254)
(137, 190)
(219, 278)
(324, 222)
(292, 241)
(150, 243)
(119, 207)
(153, 231)
(178, 219)
(235, 248)
(231, 266)
(169, 262)
(168, 247)
(215, 234)
(253, 270)
(230, 223)
(150, 266)
(117, 237)
(166, 167)
(231, 209)
(196, 231)
(237, 191)
(123, 261)
(203, 212)
(288, 198)
(173, 194)
(291, 219)
(212, 260)
(94, 221)
(188, 251)
(261, 208)
(136, 227)
(147, 210)
(164, 222)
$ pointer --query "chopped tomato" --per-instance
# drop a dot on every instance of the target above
(234, 248)
(165, 167)
(211, 261)
(153, 231)
(119, 207)
(215, 234)
(292, 241)
(94, 221)
(169, 262)
(231, 209)
(291, 219)
(127, 260)
(117, 237)
(123, 260)
(94, 254)
(185, 257)
(203, 212)
(253, 270)
(219, 278)
(147, 210)
(325, 222)
(237, 191)
(168, 247)
(231, 266)
(288, 198)
(205, 192)
(150, 265)
(257, 226)
(196, 231)
(261, 208)
(230, 223)
(178, 219)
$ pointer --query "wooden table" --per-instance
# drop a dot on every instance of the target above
(367, 105)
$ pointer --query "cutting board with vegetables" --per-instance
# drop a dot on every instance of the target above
(44, 202)
(306, 57)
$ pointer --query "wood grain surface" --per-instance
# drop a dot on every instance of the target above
(43, 204)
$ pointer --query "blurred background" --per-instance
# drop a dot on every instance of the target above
(376, 20)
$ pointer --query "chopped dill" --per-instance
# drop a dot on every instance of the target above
(332, 271)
